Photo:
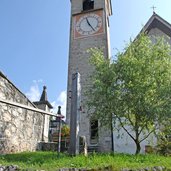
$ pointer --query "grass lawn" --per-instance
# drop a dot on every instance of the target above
(50, 161)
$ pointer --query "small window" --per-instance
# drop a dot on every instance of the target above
(94, 131)
(88, 5)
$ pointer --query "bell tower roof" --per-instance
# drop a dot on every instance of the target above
(44, 99)
(44, 94)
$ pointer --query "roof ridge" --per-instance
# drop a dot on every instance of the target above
(162, 24)
(155, 14)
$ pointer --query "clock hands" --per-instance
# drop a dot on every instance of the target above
(90, 24)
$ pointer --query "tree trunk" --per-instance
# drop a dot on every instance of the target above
(137, 142)
(138, 147)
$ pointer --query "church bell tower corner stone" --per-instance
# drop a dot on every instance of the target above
(89, 28)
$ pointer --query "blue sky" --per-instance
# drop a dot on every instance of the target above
(34, 40)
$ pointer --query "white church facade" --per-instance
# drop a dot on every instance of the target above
(155, 27)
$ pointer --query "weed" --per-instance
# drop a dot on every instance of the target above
(51, 161)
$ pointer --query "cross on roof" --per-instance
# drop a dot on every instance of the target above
(153, 7)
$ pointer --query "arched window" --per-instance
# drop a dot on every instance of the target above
(88, 5)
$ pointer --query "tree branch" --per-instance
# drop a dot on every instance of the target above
(125, 128)
(147, 135)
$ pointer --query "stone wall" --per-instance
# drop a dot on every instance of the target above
(20, 129)
(52, 146)
(107, 168)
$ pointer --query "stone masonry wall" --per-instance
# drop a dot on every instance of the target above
(20, 129)
(79, 62)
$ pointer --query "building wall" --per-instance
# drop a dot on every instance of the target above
(156, 32)
(46, 120)
(20, 129)
(79, 62)
(123, 143)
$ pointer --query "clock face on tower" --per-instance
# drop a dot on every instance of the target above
(88, 24)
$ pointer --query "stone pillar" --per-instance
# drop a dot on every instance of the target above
(75, 114)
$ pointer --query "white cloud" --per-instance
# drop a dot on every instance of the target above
(61, 101)
(34, 93)
(37, 81)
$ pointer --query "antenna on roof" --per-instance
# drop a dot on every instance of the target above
(153, 7)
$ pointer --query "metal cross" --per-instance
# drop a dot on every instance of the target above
(153, 7)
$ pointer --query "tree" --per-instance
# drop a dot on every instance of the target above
(164, 139)
(65, 131)
(135, 88)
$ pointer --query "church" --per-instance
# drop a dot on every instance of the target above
(23, 124)
(90, 28)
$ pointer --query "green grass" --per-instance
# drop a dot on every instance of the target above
(50, 161)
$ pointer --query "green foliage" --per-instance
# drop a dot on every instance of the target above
(100, 93)
(65, 131)
(164, 139)
(50, 161)
(135, 89)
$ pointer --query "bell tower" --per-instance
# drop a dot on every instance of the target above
(89, 27)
